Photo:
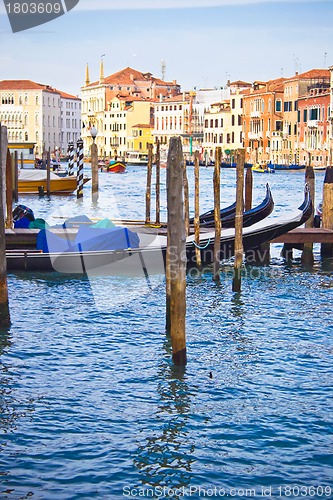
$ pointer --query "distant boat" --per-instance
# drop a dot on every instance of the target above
(234, 165)
(263, 169)
(292, 166)
(136, 158)
(115, 167)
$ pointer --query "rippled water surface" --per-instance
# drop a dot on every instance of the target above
(92, 407)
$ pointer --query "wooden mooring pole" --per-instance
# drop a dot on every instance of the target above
(307, 257)
(48, 173)
(248, 188)
(4, 302)
(158, 183)
(9, 191)
(176, 253)
(186, 199)
(237, 279)
(197, 210)
(15, 177)
(217, 215)
(327, 213)
(148, 185)
(94, 172)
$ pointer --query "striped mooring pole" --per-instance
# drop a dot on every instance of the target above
(70, 158)
(79, 181)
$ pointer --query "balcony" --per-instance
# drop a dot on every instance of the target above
(312, 123)
(255, 136)
(255, 114)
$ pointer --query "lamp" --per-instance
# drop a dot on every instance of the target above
(93, 133)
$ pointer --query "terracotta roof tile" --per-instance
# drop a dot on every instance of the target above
(312, 74)
(128, 76)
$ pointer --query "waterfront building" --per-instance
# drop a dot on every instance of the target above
(127, 83)
(70, 120)
(314, 127)
(263, 121)
(180, 115)
(223, 124)
(121, 127)
(141, 137)
(295, 88)
(32, 113)
(331, 116)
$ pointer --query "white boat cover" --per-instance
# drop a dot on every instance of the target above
(35, 175)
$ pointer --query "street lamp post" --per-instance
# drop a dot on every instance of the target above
(94, 165)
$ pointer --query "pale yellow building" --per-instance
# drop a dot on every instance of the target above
(36, 114)
(114, 104)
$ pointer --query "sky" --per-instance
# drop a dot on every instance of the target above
(203, 43)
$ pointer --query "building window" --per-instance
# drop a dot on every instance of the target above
(278, 105)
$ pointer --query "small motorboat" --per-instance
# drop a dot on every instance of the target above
(263, 169)
(115, 167)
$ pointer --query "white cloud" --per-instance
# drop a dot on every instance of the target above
(171, 4)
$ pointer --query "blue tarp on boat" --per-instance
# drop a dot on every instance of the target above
(88, 239)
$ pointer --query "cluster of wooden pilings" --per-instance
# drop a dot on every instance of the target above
(178, 226)
(177, 203)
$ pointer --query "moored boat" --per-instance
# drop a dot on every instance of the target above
(146, 252)
(291, 166)
(228, 214)
(32, 181)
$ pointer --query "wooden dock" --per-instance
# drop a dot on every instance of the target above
(26, 238)
(302, 235)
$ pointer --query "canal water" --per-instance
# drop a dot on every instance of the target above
(92, 407)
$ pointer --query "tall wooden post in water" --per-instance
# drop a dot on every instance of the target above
(158, 182)
(186, 199)
(176, 253)
(48, 173)
(197, 210)
(327, 214)
(94, 170)
(15, 178)
(4, 303)
(236, 283)
(9, 191)
(148, 187)
(248, 188)
(217, 215)
(307, 258)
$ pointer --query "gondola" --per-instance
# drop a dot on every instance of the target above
(228, 214)
(149, 256)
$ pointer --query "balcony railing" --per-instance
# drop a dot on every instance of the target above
(255, 135)
(312, 123)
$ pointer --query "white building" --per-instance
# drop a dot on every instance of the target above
(70, 120)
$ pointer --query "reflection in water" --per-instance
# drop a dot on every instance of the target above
(168, 448)
(8, 413)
